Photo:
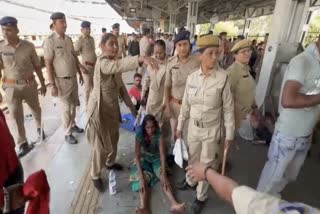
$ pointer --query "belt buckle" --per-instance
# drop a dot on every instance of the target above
(201, 124)
(197, 123)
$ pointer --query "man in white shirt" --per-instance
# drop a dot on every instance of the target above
(144, 46)
(169, 45)
(299, 112)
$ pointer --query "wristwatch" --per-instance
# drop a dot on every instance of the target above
(205, 172)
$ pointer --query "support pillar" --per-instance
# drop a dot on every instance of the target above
(282, 45)
(172, 23)
(156, 26)
(246, 28)
(305, 27)
(156, 15)
(164, 25)
(192, 18)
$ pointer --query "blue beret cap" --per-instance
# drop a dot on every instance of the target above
(184, 35)
(57, 15)
(85, 24)
(8, 21)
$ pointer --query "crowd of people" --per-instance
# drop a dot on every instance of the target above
(198, 91)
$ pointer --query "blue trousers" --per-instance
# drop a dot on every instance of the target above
(285, 158)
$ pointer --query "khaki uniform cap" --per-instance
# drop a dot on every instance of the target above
(208, 41)
(240, 45)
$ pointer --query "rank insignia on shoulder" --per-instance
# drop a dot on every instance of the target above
(294, 208)
(8, 54)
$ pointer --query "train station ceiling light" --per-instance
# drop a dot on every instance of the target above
(132, 10)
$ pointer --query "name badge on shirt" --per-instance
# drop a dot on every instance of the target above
(7, 54)
(59, 47)
(175, 67)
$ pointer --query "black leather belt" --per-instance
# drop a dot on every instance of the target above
(66, 78)
(201, 124)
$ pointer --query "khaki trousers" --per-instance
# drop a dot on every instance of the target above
(104, 147)
(88, 85)
(204, 148)
(166, 132)
(114, 137)
(175, 110)
(68, 94)
(14, 96)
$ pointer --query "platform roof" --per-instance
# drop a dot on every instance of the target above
(222, 10)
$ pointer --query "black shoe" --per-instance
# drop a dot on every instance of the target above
(39, 134)
(115, 166)
(24, 149)
(70, 139)
(76, 129)
(309, 154)
(197, 206)
(98, 184)
(184, 186)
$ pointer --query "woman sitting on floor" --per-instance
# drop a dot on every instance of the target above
(150, 166)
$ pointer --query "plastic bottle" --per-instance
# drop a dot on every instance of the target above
(112, 183)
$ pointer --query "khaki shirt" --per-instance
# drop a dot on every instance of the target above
(112, 87)
(208, 99)
(61, 51)
(18, 63)
(248, 201)
(107, 77)
(85, 47)
(122, 47)
(154, 81)
(243, 87)
(177, 73)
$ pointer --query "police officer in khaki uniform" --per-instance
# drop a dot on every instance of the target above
(208, 104)
(104, 116)
(18, 61)
(62, 66)
(243, 86)
(121, 40)
(85, 47)
(178, 69)
(154, 83)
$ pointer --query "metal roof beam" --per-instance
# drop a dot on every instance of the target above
(314, 3)
(158, 8)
